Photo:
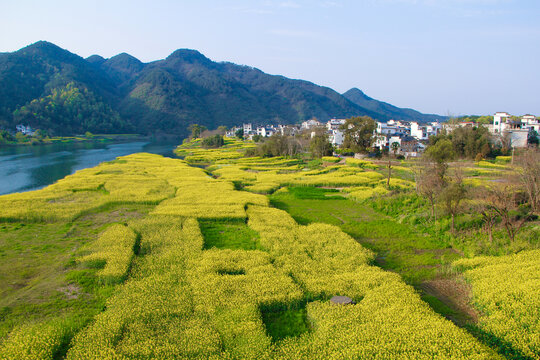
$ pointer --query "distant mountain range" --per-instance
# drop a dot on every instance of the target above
(52, 89)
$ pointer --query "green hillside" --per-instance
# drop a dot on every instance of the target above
(122, 94)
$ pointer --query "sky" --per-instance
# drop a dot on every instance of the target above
(449, 57)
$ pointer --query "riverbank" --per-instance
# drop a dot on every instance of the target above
(32, 167)
(27, 140)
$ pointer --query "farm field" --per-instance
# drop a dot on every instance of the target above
(148, 257)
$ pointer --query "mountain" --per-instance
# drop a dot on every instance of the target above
(387, 110)
(52, 89)
(29, 78)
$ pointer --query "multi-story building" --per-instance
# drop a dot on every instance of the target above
(518, 131)
(310, 124)
(335, 124)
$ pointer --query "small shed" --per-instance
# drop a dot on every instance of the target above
(342, 300)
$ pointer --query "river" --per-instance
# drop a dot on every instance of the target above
(25, 168)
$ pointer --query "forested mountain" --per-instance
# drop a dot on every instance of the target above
(384, 109)
(57, 91)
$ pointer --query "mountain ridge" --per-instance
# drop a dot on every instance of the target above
(167, 95)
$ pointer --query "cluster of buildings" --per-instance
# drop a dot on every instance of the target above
(25, 130)
(411, 137)
(517, 129)
(408, 135)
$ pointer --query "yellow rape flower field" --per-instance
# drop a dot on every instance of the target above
(170, 296)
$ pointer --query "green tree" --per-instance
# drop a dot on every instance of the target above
(277, 145)
(395, 147)
(452, 195)
(441, 152)
(20, 137)
(215, 141)
(196, 130)
(6, 137)
(222, 130)
(320, 146)
(532, 138)
(239, 133)
(358, 133)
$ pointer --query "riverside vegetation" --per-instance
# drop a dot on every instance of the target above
(221, 256)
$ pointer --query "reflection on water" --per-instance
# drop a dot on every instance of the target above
(24, 168)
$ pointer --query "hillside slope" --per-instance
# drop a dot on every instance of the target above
(384, 109)
(124, 94)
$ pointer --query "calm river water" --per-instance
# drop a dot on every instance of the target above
(24, 168)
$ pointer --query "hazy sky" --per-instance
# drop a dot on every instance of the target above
(438, 56)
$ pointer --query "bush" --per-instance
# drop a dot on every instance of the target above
(215, 141)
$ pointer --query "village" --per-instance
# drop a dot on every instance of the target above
(411, 136)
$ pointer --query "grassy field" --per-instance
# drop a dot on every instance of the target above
(229, 235)
(40, 279)
(415, 256)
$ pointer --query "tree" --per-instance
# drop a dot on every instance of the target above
(215, 141)
(489, 215)
(532, 138)
(20, 137)
(505, 141)
(467, 142)
(528, 170)
(502, 200)
(196, 130)
(452, 195)
(319, 145)
(441, 152)
(277, 145)
(428, 182)
(395, 147)
(6, 137)
(222, 130)
(239, 134)
(358, 133)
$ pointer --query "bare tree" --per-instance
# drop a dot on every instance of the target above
(484, 208)
(428, 182)
(528, 169)
(395, 147)
(502, 201)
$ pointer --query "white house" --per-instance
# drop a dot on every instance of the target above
(335, 137)
(386, 129)
(503, 124)
(434, 128)
(310, 124)
(335, 124)
(26, 130)
(247, 129)
(500, 122)
(418, 132)
(530, 122)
